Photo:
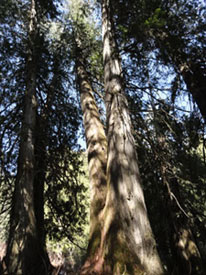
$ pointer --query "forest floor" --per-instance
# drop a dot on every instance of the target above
(62, 265)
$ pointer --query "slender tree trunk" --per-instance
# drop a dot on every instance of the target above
(23, 250)
(39, 179)
(97, 158)
(127, 244)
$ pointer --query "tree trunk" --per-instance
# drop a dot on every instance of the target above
(195, 79)
(127, 244)
(24, 249)
(97, 157)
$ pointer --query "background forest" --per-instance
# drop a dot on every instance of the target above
(102, 137)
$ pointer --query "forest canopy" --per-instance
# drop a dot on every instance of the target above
(102, 137)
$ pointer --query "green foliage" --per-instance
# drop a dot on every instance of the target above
(67, 198)
(157, 20)
(155, 38)
(169, 155)
(67, 208)
(57, 119)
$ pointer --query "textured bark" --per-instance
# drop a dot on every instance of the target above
(97, 157)
(24, 248)
(127, 244)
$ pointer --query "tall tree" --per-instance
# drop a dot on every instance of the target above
(94, 129)
(163, 31)
(127, 243)
(57, 122)
(96, 150)
(25, 255)
(174, 32)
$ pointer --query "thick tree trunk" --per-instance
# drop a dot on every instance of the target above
(127, 244)
(97, 158)
(24, 249)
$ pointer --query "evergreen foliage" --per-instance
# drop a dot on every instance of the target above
(162, 44)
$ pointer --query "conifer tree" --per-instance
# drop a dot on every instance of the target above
(25, 254)
(127, 243)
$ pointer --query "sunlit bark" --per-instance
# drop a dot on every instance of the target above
(24, 249)
(127, 243)
(97, 155)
